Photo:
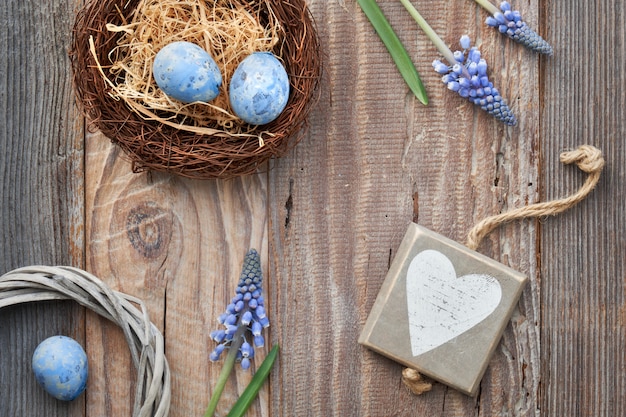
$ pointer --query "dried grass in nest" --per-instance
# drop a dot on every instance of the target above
(114, 83)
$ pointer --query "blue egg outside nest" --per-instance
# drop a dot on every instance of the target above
(187, 73)
(60, 367)
(259, 88)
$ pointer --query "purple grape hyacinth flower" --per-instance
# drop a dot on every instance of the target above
(468, 78)
(510, 23)
(245, 313)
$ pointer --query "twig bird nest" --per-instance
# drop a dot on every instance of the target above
(113, 49)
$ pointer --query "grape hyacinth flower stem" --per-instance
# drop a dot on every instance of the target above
(487, 5)
(227, 368)
(430, 32)
(509, 22)
(466, 72)
(245, 314)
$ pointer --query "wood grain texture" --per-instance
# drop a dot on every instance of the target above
(328, 219)
(42, 191)
(583, 271)
(179, 246)
(373, 160)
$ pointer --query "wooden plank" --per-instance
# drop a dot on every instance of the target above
(583, 251)
(178, 245)
(373, 160)
(338, 205)
(41, 196)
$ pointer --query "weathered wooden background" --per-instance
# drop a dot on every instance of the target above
(328, 217)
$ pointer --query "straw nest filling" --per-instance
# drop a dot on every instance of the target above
(113, 48)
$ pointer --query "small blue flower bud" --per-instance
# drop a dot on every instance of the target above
(491, 21)
(465, 42)
(218, 335)
(500, 19)
(231, 320)
(245, 349)
(473, 55)
(239, 306)
(440, 67)
(265, 322)
(464, 83)
(472, 68)
(260, 311)
(454, 86)
(222, 318)
(215, 354)
(481, 67)
(259, 341)
(256, 328)
(246, 318)
(253, 304)
(231, 329)
(245, 364)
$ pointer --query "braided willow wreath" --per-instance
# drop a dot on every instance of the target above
(43, 283)
(200, 140)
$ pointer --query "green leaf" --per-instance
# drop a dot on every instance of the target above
(395, 48)
(251, 391)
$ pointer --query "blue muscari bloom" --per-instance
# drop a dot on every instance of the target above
(246, 312)
(510, 23)
(468, 78)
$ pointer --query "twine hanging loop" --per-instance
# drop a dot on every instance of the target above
(589, 159)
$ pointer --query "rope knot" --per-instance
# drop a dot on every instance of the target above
(414, 382)
(588, 158)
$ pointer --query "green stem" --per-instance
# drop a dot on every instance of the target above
(229, 363)
(432, 35)
(487, 5)
(251, 391)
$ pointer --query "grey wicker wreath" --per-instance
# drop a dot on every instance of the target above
(145, 341)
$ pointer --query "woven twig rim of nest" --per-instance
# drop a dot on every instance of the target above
(145, 341)
(151, 145)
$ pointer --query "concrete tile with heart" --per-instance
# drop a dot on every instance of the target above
(442, 309)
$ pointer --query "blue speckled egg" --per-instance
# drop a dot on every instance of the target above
(259, 88)
(186, 72)
(60, 366)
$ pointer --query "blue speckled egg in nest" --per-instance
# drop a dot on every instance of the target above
(186, 72)
(60, 366)
(259, 88)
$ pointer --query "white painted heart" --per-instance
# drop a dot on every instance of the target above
(442, 306)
